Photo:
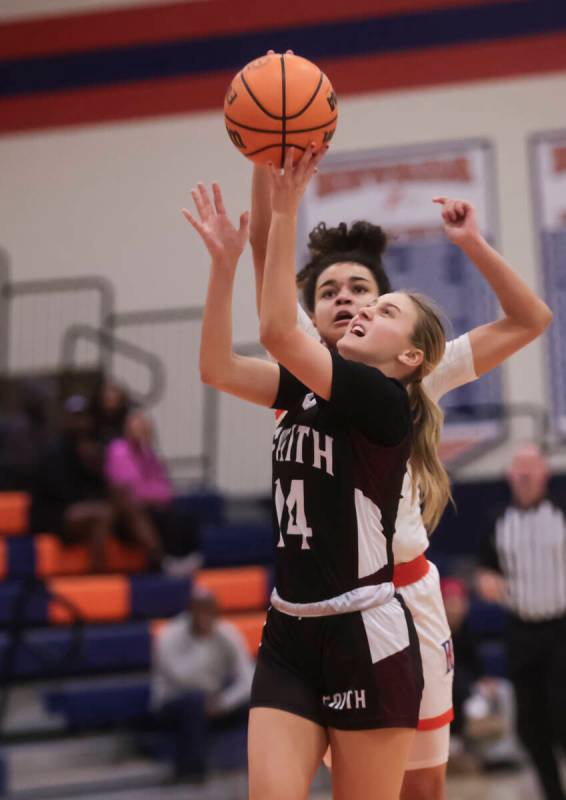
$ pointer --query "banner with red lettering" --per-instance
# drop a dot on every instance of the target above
(394, 188)
(548, 162)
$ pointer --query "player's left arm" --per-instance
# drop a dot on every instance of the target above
(526, 316)
(249, 378)
(280, 332)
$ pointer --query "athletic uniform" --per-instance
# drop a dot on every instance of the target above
(416, 579)
(339, 647)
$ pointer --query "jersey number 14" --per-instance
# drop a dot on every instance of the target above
(295, 502)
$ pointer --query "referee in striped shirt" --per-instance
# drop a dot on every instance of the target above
(523, 566)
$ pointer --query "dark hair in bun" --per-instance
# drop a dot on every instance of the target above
(362, 243)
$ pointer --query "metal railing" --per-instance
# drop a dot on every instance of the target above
(205, 437)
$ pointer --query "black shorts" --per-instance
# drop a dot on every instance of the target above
(355, 671)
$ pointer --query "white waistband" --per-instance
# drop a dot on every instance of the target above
(359, 599)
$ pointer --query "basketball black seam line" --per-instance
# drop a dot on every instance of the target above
(283, 112)
(269, 146)
(267, 130)
(277, 116)
(256, 101)
(311, 100)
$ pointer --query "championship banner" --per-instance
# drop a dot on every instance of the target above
(548, 161)
(394, 188)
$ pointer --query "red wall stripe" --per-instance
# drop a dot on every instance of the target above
(142, 25)
(445, 65)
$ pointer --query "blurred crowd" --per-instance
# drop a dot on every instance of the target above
(93, 471)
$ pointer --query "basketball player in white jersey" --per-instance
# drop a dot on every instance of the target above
(344, 274)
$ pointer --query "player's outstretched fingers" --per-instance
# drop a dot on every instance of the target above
(218, 200)
(205, 199)
(304, 162)
(194, 222)
(288, 163)
(198, 202)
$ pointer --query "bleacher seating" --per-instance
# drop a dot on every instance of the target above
(92, 632)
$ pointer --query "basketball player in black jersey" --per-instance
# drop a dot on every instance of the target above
(339, 660)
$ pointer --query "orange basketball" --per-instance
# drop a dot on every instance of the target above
(276, 102)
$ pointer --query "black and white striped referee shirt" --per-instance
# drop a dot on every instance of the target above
(528, 547)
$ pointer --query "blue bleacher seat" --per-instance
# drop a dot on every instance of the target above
(20, 557)
(235, 545)
(75, 651)
(23, 603)
(206, 506)
(158, 595)
(86, 705)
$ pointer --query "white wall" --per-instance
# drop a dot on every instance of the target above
(105, 199)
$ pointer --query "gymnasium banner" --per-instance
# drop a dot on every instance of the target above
(394, 188)
(548, 170)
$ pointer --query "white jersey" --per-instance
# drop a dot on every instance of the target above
(455, 369)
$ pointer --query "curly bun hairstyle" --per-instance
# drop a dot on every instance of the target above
(361, 243)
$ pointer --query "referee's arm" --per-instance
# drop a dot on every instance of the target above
(490, 583)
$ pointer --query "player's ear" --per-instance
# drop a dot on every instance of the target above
(412, 358)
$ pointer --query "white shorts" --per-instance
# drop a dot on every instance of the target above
(424, 601)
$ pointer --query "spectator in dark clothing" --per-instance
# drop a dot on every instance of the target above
(133, 464)
(71, 498)
(523, 566)
(25, 431)
(109, 407)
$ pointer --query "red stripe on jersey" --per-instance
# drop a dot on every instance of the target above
(433, 723)
(410, 571)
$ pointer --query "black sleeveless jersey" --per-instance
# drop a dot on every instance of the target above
(338, 467)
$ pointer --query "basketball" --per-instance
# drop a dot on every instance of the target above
(276, 102)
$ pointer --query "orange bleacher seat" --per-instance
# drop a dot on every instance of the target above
(121, 558)
(53, 558)
(236, 588)
(100, 598)
(14, 508)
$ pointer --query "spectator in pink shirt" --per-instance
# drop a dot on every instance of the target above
(132, 463)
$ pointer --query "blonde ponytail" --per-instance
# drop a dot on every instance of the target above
(428, 473)
(429, 477)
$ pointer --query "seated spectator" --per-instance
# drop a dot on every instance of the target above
(71, 498)
(133, 464)
(197, 653)
(109, 406)
(24, 432)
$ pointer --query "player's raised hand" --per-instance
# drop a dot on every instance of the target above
(289, 184)
(222, 239)
(460, 220)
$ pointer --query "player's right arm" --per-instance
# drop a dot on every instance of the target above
(260, 221)
(251, 379)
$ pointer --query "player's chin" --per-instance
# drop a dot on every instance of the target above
(349, 347)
